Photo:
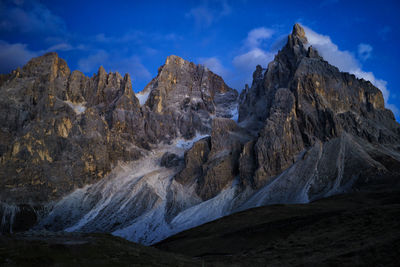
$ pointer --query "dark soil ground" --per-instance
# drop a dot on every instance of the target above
(359, 229)
(76, 249)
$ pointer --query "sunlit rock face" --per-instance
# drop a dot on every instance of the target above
(62, 130)
(87, 154)
(185, 97)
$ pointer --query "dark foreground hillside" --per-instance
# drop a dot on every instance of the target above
(75, 249)
(360, 229)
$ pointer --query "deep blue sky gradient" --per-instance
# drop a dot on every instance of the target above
(137, 36)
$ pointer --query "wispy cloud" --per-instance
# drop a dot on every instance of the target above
(346, 62)
(215, 65)
(208, 12)
(14, 55)
(62, 47)
(114, 62)
(364, 51)
(249, 60)
(253, 53)
(256, 36)
(29, 17)
(92, 62)
(203, 16)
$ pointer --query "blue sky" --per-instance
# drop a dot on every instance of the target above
(230, 37)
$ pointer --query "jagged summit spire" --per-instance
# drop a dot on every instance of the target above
(297, 39)
(298, 31)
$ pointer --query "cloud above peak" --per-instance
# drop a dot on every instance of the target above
(256, 36)
(14, 55)
(215, 65)
(252, 53)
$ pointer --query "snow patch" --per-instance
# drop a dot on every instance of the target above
(235, 112)
(187, 144)
(142, 96)
(79, 108)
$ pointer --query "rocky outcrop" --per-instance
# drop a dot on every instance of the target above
(169, 160)
(61, 130)
(301, 115)
(213, 163)
(186, 96)
(300, 102)
(173, 156)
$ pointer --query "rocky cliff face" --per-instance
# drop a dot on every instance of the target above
(302, 103)
(174, 156)
(61, 130)
(186, 97)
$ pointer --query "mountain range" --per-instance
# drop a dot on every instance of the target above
(87, 154)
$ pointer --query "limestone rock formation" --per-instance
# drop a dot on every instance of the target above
(213, 163)
(61, 130)
(186, 96)
(169, 160)
(303, 103)
(174, 156)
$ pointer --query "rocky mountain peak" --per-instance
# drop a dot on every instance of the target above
(305, 131)
(302, 100)
(101, 71)
(298, 31)
(48, 64)
(296, 46)
(190, 92)
(175, 60)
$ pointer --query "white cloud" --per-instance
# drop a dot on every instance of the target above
(14, 55)
(364, 51)
(215, 65)
(256, 36)
(345, 61)
(249, 60)
(252, 55)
